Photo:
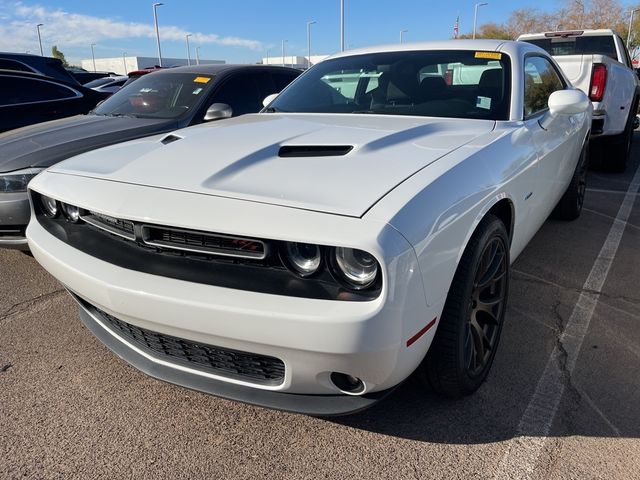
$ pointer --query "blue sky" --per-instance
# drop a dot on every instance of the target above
(235, 30)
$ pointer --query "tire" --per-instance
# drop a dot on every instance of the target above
(619, 147)
(570, 205)
(467, 337)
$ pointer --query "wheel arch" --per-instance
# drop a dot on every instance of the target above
(505, 211)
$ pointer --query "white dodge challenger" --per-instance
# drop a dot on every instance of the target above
(313, 256)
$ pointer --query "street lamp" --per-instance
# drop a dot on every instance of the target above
(402, 32)
(631, 26)
(155, 21)
(475, 17)
(40, 38)
(197, 55)
(267, 56)
(283, 42)
(309, 43)
(188, 49)
(124, 61)
(342, 25)
(93, 56)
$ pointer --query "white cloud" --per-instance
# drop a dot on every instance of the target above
(17, 31)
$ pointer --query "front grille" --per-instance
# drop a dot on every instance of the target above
(123, 228)
(202, 242)
(249, 367)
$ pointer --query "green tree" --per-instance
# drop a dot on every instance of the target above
(55, 53)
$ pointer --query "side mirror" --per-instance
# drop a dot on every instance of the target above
(268, 99)
(218, 111)
(568, 102)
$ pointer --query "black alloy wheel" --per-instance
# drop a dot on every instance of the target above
(488, 300)
(468, 332)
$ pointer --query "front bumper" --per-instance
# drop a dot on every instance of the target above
(321, 405)
(312, 337)
(14, 217)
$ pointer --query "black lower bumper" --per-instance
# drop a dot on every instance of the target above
(318, 405)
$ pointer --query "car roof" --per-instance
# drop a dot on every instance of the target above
(49, 66)
(508, 46)
(38, 76)
(217, 69)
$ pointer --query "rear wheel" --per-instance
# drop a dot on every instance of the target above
(570, 205)
(465, 343)
(618, 149)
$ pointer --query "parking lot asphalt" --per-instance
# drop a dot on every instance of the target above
(69, 408)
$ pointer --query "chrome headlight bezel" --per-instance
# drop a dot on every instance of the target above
(357, 268)
(50, 206)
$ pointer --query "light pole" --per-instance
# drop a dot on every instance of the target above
(155, 21)
(631, 26)
(197, 55)
(342, 25)
(188, 49)
(309, 43)
(402, 32)
(267, 57)
(283, 42)
(475, 17)
(40, 38)
(93, 56)
(124, 61)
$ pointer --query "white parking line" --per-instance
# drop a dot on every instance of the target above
(614, 192)
(523, 451)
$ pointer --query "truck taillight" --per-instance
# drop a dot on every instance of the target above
(598, 82)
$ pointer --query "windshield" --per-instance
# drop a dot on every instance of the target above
(459, 84)
(558, 46)
(166, 95)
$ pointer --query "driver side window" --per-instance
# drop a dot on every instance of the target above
(540, 81)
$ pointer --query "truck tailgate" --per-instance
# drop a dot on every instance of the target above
(577, 68)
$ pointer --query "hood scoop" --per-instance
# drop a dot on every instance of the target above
(170, 139)
(314, 150)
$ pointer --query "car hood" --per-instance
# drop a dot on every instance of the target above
(44, 144)
(283, 159)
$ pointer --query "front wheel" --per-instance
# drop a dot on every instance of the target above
(465, 343)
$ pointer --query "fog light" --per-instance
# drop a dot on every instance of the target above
(50, 206)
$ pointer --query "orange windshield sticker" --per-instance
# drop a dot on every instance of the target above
(202, 79)
(491, 55)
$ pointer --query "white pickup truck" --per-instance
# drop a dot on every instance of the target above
(598, 63)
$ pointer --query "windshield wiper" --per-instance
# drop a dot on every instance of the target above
(364, 111)
(270, 110)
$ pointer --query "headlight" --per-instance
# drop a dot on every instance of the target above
(71, 212)
(17, 181)
(358, 268)
(304, 258)
(50, 206)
